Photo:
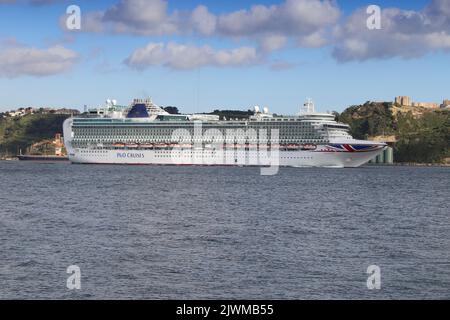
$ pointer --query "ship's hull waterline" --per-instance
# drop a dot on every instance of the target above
(224, 158)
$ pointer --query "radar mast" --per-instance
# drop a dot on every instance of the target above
(308, 107)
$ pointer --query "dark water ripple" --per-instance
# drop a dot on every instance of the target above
(199, 233)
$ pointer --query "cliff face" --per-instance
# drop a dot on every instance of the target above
(421, 137)
(21, 132)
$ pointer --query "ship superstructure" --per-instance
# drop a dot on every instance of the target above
(144, 133)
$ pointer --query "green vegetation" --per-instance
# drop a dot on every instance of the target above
(369, 119)
(171, 110)
(421, 139)
(21, 132)
(426, 139)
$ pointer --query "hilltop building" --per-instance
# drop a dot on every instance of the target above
(48, 147)
(428, 105)
(445, 104)
(403, 100)
(29, 110)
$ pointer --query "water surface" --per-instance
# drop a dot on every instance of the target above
(220, 233)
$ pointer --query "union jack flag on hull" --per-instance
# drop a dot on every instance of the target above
(353, 147)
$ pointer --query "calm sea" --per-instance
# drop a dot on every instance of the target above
(220, 233)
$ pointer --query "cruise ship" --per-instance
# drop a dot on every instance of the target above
(144, 133)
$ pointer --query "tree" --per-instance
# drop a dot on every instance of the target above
(171, 110)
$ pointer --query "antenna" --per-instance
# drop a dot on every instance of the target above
(308, 106)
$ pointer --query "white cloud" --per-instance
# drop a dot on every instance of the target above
(202, 21)
(268, 28)
(292, 18)
(147, 17)
(243, 22)
(178, 56)
(271, 43)
(17, 60)
(313, 40)
(405, 34)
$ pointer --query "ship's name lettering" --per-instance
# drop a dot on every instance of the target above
(130, 155)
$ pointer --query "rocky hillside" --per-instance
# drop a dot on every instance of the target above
(421, 137)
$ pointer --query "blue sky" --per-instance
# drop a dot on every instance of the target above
(199, 67)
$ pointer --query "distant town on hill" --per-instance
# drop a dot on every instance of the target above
(30, 110)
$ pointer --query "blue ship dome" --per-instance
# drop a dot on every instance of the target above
(138, 111)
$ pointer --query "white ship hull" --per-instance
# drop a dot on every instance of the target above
(233, 158)
(101, 148)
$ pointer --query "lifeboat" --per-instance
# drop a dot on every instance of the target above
(292, 147)
(119, 145)
(181, 146)
(308, 146)
(160, 145)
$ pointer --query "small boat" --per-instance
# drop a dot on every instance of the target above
(42, 158)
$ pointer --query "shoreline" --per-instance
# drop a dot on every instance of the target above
(395, 164)
(408, 164)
